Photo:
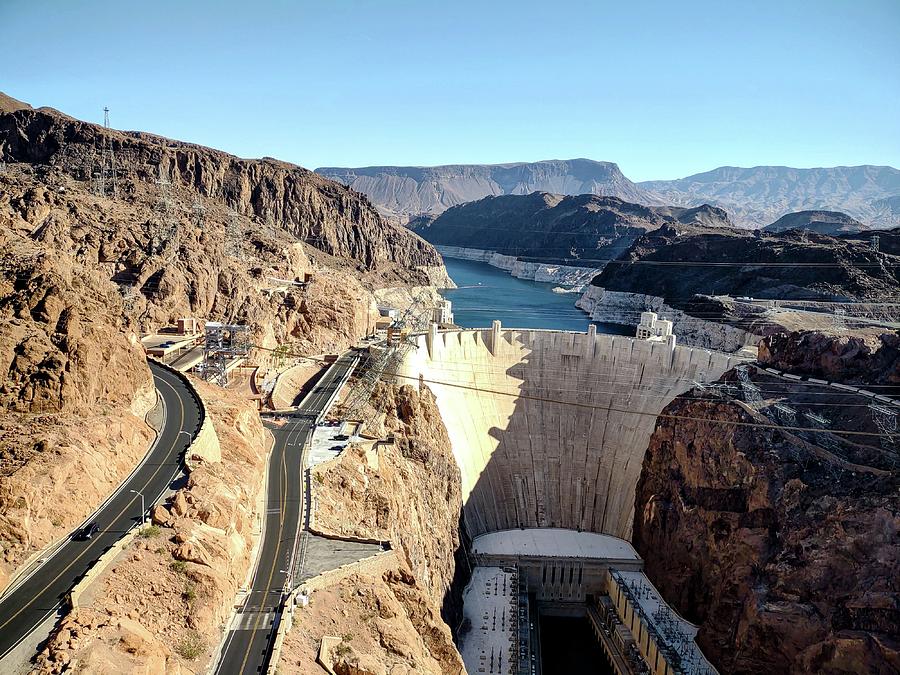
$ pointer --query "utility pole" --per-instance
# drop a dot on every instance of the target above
(143, 509)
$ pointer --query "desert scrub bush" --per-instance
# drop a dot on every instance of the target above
(190, 592)
(190, 646)
(149, 531)
(178, 566)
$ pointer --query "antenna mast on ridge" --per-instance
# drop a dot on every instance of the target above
(107, 176)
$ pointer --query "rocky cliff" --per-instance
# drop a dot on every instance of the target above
(847, 359)
(403, 192)
(780, 544)
(823, 222)
(582, 230)
(69, 430)
(759, 195)
(677, 263)
(194, 231)
(161, 606)
(301, 203)
(408, 492)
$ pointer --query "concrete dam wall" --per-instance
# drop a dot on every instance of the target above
(550, 428)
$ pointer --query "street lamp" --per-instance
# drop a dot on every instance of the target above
(186, 434)
(143, 510)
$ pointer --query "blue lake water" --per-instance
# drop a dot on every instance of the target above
(486, 293)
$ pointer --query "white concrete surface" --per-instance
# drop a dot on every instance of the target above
(323, 445)
(549, 428)
(674, 629)
(488, 604)
(554, 543)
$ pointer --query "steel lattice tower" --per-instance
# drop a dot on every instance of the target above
(107, 176)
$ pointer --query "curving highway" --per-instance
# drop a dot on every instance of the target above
(40, 594)
(248, 643)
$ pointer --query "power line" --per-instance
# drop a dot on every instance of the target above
(592, 406)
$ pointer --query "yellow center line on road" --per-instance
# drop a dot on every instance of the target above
(283, 505)
(96, 541)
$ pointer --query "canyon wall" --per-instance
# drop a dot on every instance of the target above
(625, 308)
(566, 275)
(549, 428)
(406, 491)
(781, 545)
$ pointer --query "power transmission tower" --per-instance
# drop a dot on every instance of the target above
(199, 212)
(165, 207)
(886, 421)
(234, 246)
(107, 175)
(838, 319)
(752, 394)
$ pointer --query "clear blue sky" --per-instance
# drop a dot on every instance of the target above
(664, 88)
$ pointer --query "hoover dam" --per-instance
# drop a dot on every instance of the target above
(549, 429)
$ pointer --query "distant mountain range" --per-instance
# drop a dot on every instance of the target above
(753, 197)
(404, 192)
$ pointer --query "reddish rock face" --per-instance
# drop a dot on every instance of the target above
(783, 547)
(840, 359)
(334, 218)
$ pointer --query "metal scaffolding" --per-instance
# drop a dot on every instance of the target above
(388, 359)
(224, 343)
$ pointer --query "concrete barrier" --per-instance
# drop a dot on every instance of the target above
(99, 567)
(376, 564)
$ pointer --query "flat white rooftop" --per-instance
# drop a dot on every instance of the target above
(489, 603)
(553, 542)
(670, 625)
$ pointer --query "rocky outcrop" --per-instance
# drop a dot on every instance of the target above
(406, 491)
(846, 359)
(403, 192)
(823, 222)
(780, 544)
(411, 496)
(162, 604)
(301, 203)
(58, 320)
(759, 195)
(583, 231)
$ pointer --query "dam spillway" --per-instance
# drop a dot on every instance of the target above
(549, 428)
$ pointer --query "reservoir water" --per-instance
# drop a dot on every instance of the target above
(486, 293)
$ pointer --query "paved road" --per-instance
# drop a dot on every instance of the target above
(249, 642)
(42, 593)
